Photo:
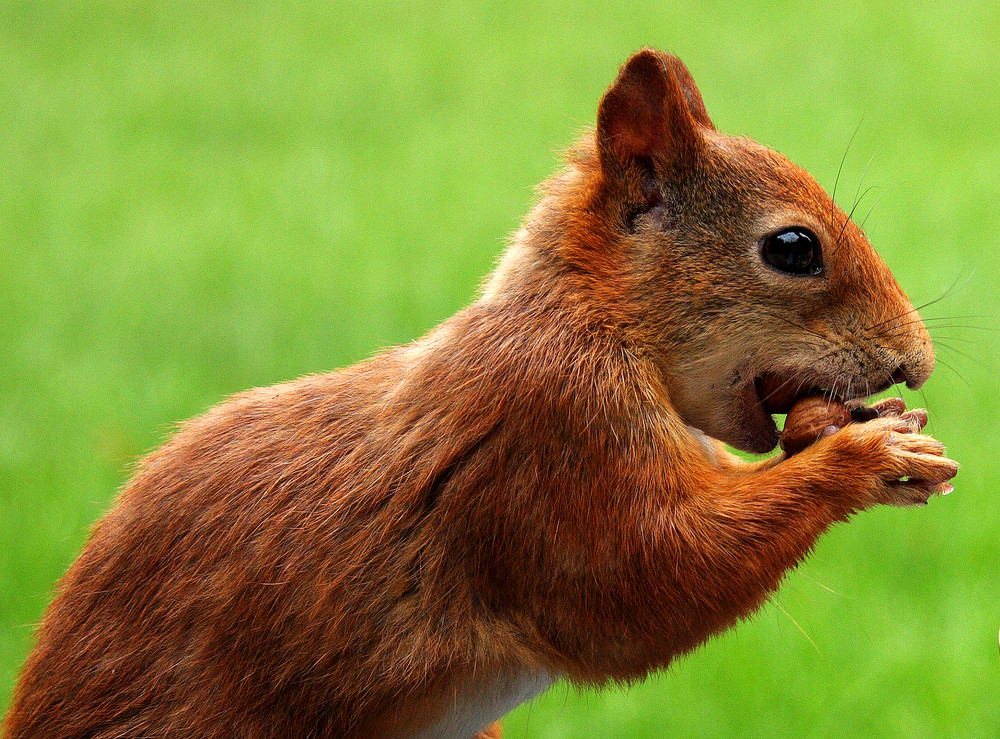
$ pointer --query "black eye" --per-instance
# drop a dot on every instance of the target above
(794, 251)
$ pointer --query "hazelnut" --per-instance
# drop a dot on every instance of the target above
(808, 420)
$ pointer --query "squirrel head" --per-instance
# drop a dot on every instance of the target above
(729, 265)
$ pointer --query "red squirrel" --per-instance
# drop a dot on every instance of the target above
(538, 489)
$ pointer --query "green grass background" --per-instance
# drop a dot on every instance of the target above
(197, 198)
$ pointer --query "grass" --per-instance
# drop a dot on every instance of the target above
(196, 198)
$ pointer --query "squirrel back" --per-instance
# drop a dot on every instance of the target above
(537, 489)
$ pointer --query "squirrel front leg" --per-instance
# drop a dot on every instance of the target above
(729, 542)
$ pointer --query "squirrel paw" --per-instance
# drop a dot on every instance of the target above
(908, 466)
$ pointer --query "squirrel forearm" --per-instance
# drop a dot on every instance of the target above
(699, 549)
(727, 545)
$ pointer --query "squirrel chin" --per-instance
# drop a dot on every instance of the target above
(748, 425)
(754, 428)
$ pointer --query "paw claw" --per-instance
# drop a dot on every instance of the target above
(889, 407)
(917, 419)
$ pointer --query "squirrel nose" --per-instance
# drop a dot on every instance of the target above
(914, 370)
(899, 375)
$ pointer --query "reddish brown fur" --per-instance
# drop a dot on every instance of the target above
(519, 492)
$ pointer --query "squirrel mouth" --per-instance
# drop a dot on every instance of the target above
(772, 393)
(777, 394)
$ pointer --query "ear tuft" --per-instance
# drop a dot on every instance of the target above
(653, 109)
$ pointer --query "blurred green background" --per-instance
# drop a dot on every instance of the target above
(197, 198)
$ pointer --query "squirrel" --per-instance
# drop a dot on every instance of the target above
(538, 489)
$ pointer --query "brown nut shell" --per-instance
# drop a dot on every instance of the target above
(808, 419)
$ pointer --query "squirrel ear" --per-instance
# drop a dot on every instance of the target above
(653, 109)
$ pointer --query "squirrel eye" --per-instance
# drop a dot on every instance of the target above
(794, 251)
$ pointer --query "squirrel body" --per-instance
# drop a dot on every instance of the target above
(537, 489)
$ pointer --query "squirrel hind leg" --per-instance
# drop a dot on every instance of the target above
(490, 732)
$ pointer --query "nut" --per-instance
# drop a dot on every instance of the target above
(809, 419)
